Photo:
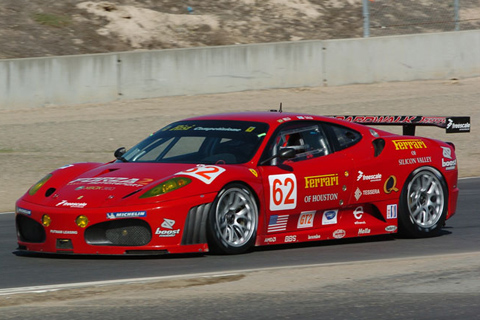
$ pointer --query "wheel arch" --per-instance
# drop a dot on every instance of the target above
(406, 223)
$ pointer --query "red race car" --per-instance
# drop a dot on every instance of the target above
(228, 182)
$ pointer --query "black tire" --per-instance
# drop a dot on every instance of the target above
(423, 204)
(232, 220)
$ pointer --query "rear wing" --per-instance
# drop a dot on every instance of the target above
(409, 123)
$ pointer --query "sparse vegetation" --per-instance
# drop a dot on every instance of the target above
(52, 20)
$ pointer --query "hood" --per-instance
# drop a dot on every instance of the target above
(117, 184)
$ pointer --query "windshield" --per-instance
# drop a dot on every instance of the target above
(201, 142)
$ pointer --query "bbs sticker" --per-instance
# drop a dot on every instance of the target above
(283, 191)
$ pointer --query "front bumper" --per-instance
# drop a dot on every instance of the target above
(168, 227)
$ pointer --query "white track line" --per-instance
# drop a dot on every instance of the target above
(78, 285)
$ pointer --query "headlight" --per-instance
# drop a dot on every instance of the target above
(39, 184)
(46, 220)
(167, 186)
(81, 221)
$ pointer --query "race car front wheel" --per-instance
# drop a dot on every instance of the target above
(233, 220)
(423, 204)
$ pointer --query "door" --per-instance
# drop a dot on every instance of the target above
(307, 190)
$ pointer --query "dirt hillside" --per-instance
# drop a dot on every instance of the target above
(38, 28)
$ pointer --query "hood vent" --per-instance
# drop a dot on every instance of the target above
(132, 193)
(106, 171)
(49, 192)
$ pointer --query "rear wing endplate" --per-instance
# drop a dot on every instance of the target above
(451, 124)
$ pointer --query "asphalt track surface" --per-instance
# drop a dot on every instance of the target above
(460, 240)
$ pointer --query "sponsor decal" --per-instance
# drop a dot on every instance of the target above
(408, 144)
(305, 117)
(181, 127)
(167, 223)
(117, 181)
(390, 185)
(277, 223)
(283, 191)
(358, 193)
(393, 119)
(63, 232)
(329, 217)
(65, 203)
(205, 173)
(306, 219)
(254, 172)
(270, 240)
(339, 234)
(284, 119)
(314, 237)
(218, 129)
(403, 162)
(321, 197)
(449, 164)
(371, 177)
(392, 211)
(363, 231)
(127, 214)
(325, 180)
(291, 238)
(24, 211)
(166, 233)
(447, 152)
(458, 124)
(391, 228)
(170, 232)
(358, 212)
(250, 129)
(95, 188)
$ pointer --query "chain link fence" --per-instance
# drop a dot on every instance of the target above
(396, 17)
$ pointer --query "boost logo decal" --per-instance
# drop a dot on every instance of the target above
(167, 224)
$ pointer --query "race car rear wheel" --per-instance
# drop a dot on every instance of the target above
(423, 204)
(233, 220)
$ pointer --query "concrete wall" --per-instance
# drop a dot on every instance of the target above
(403, 58)
(26, 83)
(58, 81)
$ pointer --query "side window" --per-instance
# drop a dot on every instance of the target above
(308, 142)
(346, 137)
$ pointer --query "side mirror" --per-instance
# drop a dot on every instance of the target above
(119, 154)
(286, 153)
(283, 154)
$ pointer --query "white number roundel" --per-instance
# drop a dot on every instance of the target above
(283, 191)
(206, 174)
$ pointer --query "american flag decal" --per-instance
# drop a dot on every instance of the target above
(277, 223)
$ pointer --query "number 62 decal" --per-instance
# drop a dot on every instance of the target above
(283, 191)
(206, 174)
